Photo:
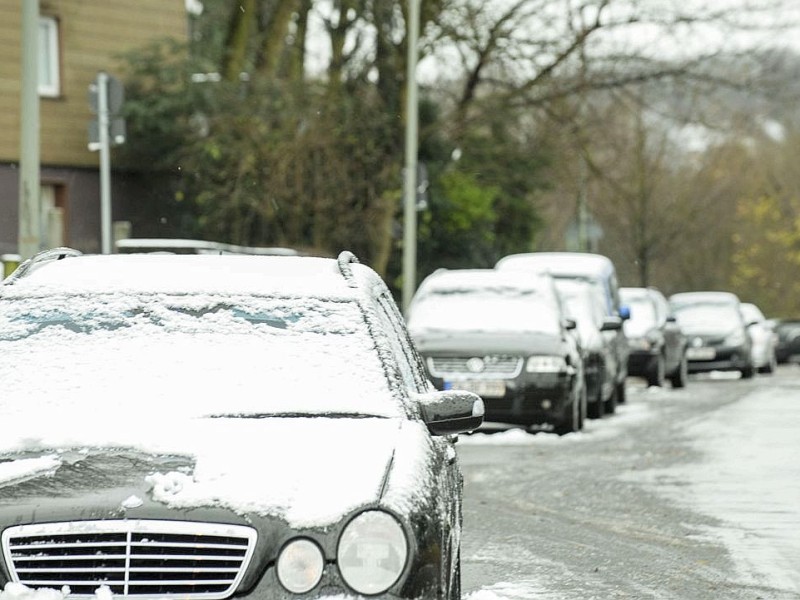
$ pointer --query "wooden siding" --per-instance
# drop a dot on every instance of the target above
(92, 34)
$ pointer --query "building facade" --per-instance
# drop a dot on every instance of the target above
(76, 40)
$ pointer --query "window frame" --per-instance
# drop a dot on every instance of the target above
(49, 44)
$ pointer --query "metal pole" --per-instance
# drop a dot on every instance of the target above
(410, 171)
(29, 238)
(105, 162)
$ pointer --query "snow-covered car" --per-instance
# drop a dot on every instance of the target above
(763, 337)
(505, 338)
(204, 427)
(592, 267)
(657, 343)
(597, 333)
(715, 330)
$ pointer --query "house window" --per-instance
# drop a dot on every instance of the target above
(49, 60)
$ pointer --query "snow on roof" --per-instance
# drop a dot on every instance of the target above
(480, 279)
(289, 275)
(560, 263)
(703, 297)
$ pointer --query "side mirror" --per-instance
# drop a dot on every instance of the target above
(611, 324)
(451, 412)
(570, 324)
(624, 312)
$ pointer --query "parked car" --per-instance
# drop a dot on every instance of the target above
(592, 267)
(505, 338)
(787, 349)
(584, 303)
(763, 338)
(209, 427)
(657, 343)
(717, 334)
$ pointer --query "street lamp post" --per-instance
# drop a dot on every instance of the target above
(410, 171)
(30, 222)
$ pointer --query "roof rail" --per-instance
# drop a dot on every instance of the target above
(345, 261)
(39, 258)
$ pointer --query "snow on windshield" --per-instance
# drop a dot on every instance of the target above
(78, 357)
(643, 317)
(708, 316)
(500, 310)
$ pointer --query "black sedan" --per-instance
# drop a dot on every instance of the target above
(204, 427)
(504, 337)
(657, 343)
(716, 331)
(787, 349)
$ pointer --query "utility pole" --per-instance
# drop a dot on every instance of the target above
(29, 237)
(410, 171)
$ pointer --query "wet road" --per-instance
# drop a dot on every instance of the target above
(683, 494)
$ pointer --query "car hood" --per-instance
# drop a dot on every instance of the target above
(280, 467)
(480, 343)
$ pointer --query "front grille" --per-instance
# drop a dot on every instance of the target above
(497, 366)
(138, 558)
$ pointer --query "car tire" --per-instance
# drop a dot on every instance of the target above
(573, 422)
(770, 367)
(594, 410)
(681, 375)
(620, 393)
(610, 405)
(657, 373)
(748, 372)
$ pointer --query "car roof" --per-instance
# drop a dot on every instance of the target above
(706, 296)
(467, 279)
(190, 273)
(561, 263)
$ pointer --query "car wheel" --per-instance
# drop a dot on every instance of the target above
(769, 368)
(620, 393)
(594, 410)
(657, 372)
(748, 372)
(681, 374)
(610, 405)
(573, 421)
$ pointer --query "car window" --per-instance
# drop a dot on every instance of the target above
(204, 353)
(402, 348)
(485, 309)
(644, 316)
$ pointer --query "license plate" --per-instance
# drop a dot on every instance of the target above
(485, 388)
(701, 353)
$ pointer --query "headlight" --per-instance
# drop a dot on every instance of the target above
(300, 566)
(737, 338)
(372, 552)
(546, 364)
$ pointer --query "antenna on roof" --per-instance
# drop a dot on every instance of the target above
(345, 260)
(39, 258)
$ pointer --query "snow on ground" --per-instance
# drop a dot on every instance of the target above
(750, 481)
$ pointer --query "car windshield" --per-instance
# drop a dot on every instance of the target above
(496, 310)
(711, 316)
(643, 316)
(193, 354)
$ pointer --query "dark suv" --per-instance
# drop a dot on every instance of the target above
(204, 427)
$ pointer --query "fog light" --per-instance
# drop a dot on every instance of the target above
(547, 405)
